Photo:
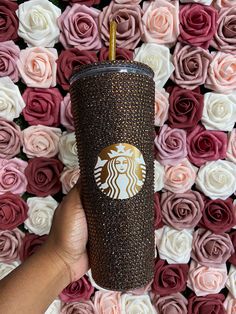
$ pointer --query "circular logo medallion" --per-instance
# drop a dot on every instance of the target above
(120, 171)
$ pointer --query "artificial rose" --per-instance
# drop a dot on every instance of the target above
(41, 141)
(204, 145)
(82, 307)
(11, 100)
(230, 304)
(128, 1)
(161, 107)
(231, 281)
(121, 54)
(217, 179)
(107, 302)
(208, 304)
(129, 25)
(159, 59)
(159, 176)
(197, 24)
(38, 67)
(209, 249)
(225, 36)
(221, 73)
(205, 2)
(68, 60)
(157, 212)
(13, 211)
(10, 139)
(10, 243)
(6, 269)
(206, 280)
(219, 112)
(38, 23)
(231, 149)
(174, 246)
(54, 307)
(68, 150)
(80, 290)
(170, 304)
(9, 21)
(181, 211)
(191, 64)
(42, 106)
(186, 107)
(40, 214)
(31, 243)
(86, 2)
(66, 116)
(131, 304)
(161, 22)
(12, 177)
(169, 279)
(170, 146)
(79, 28)
(179, 178)
(224, 3)
(9, 54)
(232, 259)
(69, 177)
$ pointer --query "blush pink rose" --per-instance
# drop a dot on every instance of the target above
(222, 72)
(66, 116)
(230, 304)
(82, 307)
(9, 54)
(10, 139)
(161, 107)
(224, 3)
(69, 178)
(37, 66)
(10, 243)
(121, 54)
(170, 304)
(79, 27)
(231, 149)
(12, 177)
(107, 302)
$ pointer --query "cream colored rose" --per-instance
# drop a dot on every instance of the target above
(6, 269)
(158, 57)
(40, 214)
(217, 179)
(54, 307)
(159, 176)
(230, 304)
(205, 2)
(11, 102)
(69, 178)
(68, 150)
(219, 111)
(174, 245)
(136, 304)
(161, 107)
(231, 281)
(38, 23)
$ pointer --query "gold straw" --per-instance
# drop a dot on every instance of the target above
(112, 45)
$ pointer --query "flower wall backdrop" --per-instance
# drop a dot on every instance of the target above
(191, 47)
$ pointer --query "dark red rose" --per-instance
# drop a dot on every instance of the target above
(218, 215)
(197, 24)
(157, 212)
(169, 279)
(68, 60)
(13, 211)
(232, 259)
(89, 3)
(204, 145)
(186, 107)
(121, 54)
(209, 304)
(43, 175)
(8, 20)
(80, 290)
(31, 243)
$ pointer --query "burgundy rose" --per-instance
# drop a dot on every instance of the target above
(80, 290)
(9, 54)
(89, 3)
(157, 212)
(121, 54)
(8, 20)
(42, 106)
(10, 139)
(209, 304)
(169, 279)
(43, 175)
(31, 243)
(197, 24)
(13, 211)
(218, 215)
(232, 259)
(10, 244)
(186, 107)
(204, 145)
(68, 60)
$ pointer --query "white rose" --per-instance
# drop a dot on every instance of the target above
(54, 308)
(231, 281)
(217, 179)
(68, 149)
(69, 177)
(136, 304)
(219, 111)
(40, 214)
(159, 176)
(174, 245)
(159, 59)
(205, 2)
(11, 101)
(38, 23)
(6, 269)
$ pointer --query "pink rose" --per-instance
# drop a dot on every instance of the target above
(224, 3)
(10, 139)
(230, 304)
(79, 27)
(170, 146)
(10, 243)
(161, 22)
(37, 66)
(41, 141)
(69, 178)
(170, 304)
(82, 307)
(129, 24)
(128, 1)
(107, 302)
(161, 107)
(89, 3)
(191, 64)
(121, 54)
(231, 149)
(222, 72)
(179, 178)
(9, 54)
(12, 177)
(66, 114)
